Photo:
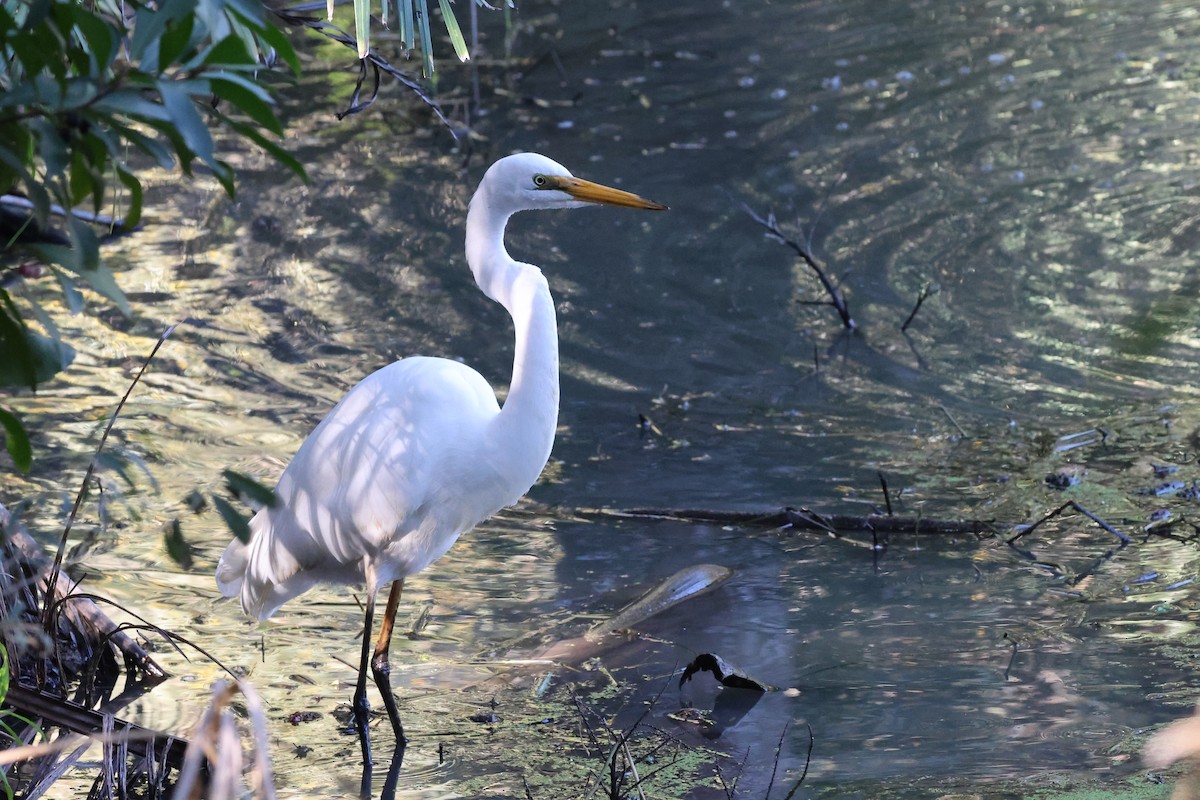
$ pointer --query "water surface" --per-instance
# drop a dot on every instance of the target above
(1035, 163)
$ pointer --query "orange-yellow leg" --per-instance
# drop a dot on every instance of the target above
(379, 662)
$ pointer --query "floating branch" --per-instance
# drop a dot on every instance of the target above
(804, 249)
(804, 519)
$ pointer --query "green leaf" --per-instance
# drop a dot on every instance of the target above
(150, 146)
(29, 358)
(249, 489)
(17, 443)
(229, 53)
(175, 40)
(422, 11)
(5, 673)
(18, 367)
(236, 523)
(407, 40)
(132, 103)
(362, 26)
(456, 36)
(150, 23)
(35, 190)
(99, 277)
(133, 215)
(98, 38)
(177, 547)
(187, 121)
(251, 99)
(275, 150)
(45, 319)
(85, 243)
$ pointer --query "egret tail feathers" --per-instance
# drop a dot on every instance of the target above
(231, 569)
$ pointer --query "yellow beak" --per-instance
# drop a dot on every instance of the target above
(595, 193)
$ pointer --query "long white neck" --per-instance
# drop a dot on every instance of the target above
(527, 422)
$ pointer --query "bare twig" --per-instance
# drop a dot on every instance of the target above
(836, 297)
(927, 291)
(1070, 504)
(887, 496)
(807, 761)
(953, 421)
(56, 569)
(775, 766)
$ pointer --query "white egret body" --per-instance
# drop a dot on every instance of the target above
(420, 451)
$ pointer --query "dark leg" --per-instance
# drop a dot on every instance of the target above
(360, 706)
(380, 666)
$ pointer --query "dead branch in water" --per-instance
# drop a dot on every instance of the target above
(57, 712)
(1070, 504)
(927, 291)
(82, 611)
(837, 298)
(803, 519)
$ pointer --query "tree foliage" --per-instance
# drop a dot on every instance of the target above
(87, 89)
(90, 91)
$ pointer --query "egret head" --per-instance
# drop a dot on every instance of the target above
(527, 181)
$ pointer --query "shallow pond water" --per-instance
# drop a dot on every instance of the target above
(1034, 163)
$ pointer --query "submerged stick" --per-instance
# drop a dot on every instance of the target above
(802, 518)
(927, 291)
(1070, 504)
(836, 297)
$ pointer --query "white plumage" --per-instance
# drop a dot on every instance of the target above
(420, 451)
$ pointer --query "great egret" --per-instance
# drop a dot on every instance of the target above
(420, 451)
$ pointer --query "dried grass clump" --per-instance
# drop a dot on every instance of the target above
(217, 743)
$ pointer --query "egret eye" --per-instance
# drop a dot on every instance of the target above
(539, 181)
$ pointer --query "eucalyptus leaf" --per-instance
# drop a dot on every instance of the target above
(99, 277)
(275, 150)
(421, 9)
(248, 98)
(362, 26)
(282, 46)
(134, 213)
(407, 39)
(187, 121)
(455, 33)
(30, 358)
